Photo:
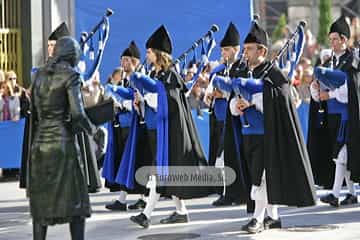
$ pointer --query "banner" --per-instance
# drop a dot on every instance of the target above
(185, 20)
(11, 141)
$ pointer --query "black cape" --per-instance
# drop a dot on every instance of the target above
(216, 140)
(238, 189)
(318, 140)
(184, 143)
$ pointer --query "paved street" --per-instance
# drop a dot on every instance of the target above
(317, 223)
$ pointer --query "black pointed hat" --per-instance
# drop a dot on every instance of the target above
(340, 26)
(257, 35)
(160, 40)
(61, 31)
(132, 51)
(231, 37)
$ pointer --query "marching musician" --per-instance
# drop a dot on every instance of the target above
(230, 47)
(334, 127)
(130, 60)
(271, 150)
(171, 131)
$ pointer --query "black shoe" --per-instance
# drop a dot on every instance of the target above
(165, 197)
(222, 201)
(253, 226)
(116, 206)
(330, 199)
(140, 204)
(237, 202)
(175, 218)
(141, 220)
(270, 223)
(349, 199)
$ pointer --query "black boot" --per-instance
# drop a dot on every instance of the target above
(140, 204)
(141, 220)
(39, 231)
(175, 218)
(330, 199)
(77, 228)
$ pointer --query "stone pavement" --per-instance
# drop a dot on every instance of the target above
(312, 223)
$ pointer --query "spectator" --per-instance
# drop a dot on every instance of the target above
(355, 32)
(304, 87)
(190, 71)
(311, 46)
(93, 91)
(20, 92)
(2, 76)
(196, 98)
(305, 63)
(9, 104)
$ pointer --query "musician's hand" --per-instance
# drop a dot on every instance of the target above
(208, 98)
(136, 101)
(218, 94)
(85, 88)
(315, 85)
(238, 109)
(242, 104)
(324, 96)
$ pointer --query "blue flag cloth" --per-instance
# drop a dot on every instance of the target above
(293, 53)
(205, 54)
(90, 60)
(296, 51)
(11, 139)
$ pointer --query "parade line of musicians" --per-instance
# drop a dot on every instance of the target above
(259, 138)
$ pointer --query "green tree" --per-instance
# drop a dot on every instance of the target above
(324, 21)
(279, 28)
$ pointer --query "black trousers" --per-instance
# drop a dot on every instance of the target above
(77, 229)
(253, 149)
(333, 125)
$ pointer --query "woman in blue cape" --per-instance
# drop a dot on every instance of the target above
(171, 131)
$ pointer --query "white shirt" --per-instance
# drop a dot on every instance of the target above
(340, 94)
(257, 100)
(151, 100)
